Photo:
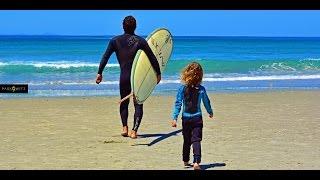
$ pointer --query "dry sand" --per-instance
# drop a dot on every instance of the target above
(266, 130)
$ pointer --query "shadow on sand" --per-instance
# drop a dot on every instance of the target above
(208, 166)
(161, 137)
(212, 165)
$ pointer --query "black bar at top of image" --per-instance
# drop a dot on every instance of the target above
(159, 4)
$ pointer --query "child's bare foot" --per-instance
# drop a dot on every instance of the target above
(133, 134)
(187, 164)
(196, 166)
(124, 131)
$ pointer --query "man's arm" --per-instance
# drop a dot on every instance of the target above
(153, 60)
(106, 56)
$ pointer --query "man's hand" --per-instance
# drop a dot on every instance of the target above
(99, 78)
(211, 116)
(158, 78)
(174, 123)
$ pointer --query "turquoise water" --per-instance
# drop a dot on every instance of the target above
(67, 65)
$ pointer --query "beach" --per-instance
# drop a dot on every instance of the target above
(263, 80)
(251, 130)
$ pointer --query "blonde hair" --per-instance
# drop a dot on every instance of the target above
(192, 74)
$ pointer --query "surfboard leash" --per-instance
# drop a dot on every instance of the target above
(125, 98)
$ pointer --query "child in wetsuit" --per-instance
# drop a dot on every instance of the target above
(190, 95)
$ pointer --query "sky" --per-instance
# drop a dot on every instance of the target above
(286, 23)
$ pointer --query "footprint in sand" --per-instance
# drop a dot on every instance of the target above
(111, 141)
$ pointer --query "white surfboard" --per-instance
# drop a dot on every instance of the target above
(143, 76)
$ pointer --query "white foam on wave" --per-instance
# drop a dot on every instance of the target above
(58, 64)
(253, 78)
(311, 59)
(62, 65)
(177, 81)
(71, 83)
(260, 78)
(91, 82)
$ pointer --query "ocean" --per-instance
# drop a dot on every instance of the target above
(67, 65)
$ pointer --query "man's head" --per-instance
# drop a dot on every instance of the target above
(129, 24)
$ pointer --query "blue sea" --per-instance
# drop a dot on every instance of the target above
(67, 65)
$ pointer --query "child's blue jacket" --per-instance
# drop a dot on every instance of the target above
(179, 102)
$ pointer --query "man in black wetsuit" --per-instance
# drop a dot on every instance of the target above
(126, 46)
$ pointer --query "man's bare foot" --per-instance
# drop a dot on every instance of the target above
(196, 166)
(187, 164)
(133, 134)
(124, 131)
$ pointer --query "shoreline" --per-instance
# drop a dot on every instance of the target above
(165, 94)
